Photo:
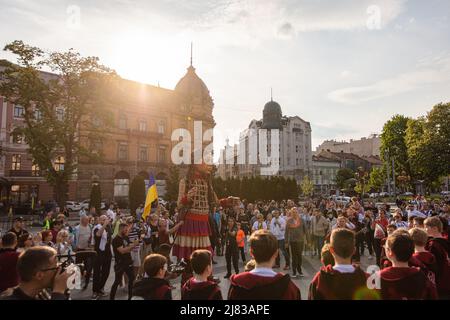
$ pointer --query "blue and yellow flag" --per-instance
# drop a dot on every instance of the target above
(152, 195)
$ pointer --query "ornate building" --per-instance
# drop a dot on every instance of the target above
(295, 155)
(138, 143)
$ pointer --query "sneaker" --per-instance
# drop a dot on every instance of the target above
(228, 275)
(95, 296)
(301, 275)
(294, 276)
(102, 293)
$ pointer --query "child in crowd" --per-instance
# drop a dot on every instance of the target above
(199, 287)
(402, 282)
(153, 286)
(341, 281)
(422, 258)
(262, 283)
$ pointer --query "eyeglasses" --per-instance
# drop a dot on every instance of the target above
(52, 268)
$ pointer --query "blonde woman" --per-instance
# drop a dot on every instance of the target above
(259, 223)
(63, 245)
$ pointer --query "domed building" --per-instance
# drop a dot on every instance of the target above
(295, 153)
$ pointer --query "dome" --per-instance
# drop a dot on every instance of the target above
(272, 115)
(192, 86)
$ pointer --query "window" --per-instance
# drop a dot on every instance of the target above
(19, 111)
(96, 121)
(17, 138)
(15, 162)
(122, 152)
(143, 153)
(122, 122)
(161, 126)
(96, 146)
(37, 114)
(59, 163)
(162, 154)
(142, 125)
(35, 171)
(296, 149)
(60, 113)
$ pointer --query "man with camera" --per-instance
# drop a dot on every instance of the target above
(122, 247)
(38, 270)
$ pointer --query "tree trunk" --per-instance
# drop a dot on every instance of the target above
(60, 191)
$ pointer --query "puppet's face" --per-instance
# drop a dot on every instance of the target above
(203, 168)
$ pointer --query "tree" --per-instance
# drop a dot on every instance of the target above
(376, 178)
(393, 145)
(95, 200)
(136, 193)
(63, 112)
(427, 140)
(342, 177)
(173, 183)
(307, 186)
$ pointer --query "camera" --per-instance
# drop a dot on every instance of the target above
(178, 267)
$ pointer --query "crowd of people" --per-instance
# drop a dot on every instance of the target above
(409, 244)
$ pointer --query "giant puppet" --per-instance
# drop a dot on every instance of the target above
(196, 198)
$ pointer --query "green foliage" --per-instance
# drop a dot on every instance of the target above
(376, 178)
(343, 176)
(136, 193)
(393, 144)
(57, 106)
(95, 199)
(307, 186)
(172, 184)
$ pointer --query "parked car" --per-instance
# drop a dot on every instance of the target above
(85, 205)
(373, 195)
(73, 206)
(341, 199)
(408, 194)
(384, 194)
(445, 193)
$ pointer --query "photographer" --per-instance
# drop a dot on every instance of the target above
(102, 233)
(122, 247)
(38, 270)
(231, 249)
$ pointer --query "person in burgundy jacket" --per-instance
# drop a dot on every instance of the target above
(342, 281)
(8, 262)
(422, 258)
(439, 247)
(402, 282)
(262, 283)
(200, 287)
(154, 286)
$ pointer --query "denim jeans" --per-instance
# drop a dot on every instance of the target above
(318, 242)
(282, 248)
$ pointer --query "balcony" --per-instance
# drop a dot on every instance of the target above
(148, 134)
(24, 173)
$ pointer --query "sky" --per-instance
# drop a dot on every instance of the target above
(345, 66)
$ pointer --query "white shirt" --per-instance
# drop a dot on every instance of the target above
(279, 228)
(264, 272)
(344, 268)
(111, 214)
(416, 213)
(256, 224)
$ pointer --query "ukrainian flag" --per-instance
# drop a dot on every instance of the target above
(152, 195)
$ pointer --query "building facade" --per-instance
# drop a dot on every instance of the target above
(324, 174)
(366, 147)
(294, 144)
(138, 143)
